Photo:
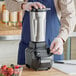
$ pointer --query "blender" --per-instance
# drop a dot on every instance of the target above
(37, 55)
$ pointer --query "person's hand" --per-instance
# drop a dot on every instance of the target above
(57, 46)
(28, 6)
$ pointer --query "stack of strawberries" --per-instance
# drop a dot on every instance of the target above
(12, 70)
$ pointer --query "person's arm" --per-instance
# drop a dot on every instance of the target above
(67, 25)
(14, 5)
(68, 18)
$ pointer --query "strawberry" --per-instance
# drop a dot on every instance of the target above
(10, 71)
(4, 67)
(17, 66)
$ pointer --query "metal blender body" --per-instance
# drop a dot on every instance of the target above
(38, 26)
(37, 55)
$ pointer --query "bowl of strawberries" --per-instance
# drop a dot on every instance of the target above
(12, 70)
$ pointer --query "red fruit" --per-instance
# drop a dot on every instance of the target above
(5, 73)
(10, 71)
(4, 67)
(17, 66)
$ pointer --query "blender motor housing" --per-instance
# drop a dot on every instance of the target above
(38, 57)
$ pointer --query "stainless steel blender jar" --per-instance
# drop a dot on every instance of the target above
(37, 55)
(38, 25)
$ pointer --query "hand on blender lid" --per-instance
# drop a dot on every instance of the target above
(28, 5)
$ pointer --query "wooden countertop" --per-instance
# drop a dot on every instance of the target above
(51, 72)
(9, 30)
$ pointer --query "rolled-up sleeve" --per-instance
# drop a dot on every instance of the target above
(13, 5)
(68, 18)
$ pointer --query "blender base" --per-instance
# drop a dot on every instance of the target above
(38, 57)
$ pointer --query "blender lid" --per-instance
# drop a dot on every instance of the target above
(40, 10)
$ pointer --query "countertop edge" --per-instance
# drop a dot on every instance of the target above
(10, 37)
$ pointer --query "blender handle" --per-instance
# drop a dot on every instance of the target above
(48, 51)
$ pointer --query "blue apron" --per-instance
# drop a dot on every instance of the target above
(52, 30)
